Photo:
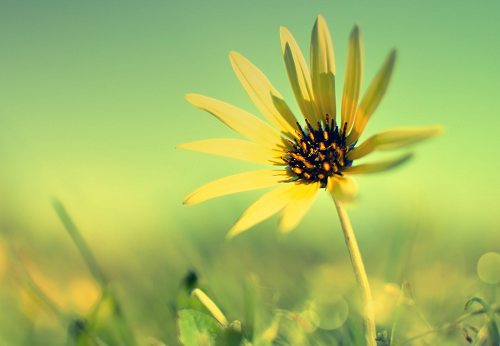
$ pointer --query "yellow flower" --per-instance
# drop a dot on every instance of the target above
(316, 155)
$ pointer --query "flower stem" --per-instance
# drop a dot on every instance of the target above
(359, 273)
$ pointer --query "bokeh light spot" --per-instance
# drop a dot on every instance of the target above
(488, 268)
(310, 322)
(332, 310)
(83, 294)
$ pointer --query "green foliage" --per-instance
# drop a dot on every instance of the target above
(489, 334)
(199, 329)
(270, 316)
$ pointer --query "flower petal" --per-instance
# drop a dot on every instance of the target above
(264, 207)
(372, 98)
(299, 76)
(375, 167)
(237, 149)
(393, 139)
(267, 99)
(323, 69)
(242, 122)
(236, 183)
(299, 206)
(342, 188)
(352, 81)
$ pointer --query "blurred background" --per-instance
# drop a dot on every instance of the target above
(91, 109)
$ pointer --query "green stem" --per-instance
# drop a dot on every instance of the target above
(447, 327)
(360, 274)
(80, 243)
(98, 274)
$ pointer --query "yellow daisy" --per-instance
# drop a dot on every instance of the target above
(317, 154)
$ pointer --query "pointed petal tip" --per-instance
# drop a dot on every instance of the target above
(233, 59)
(228, 238)
(392, 56)
(355, 30)
(377, 167)
(285, 36)
(319, 26)
(191, 97)
(237, 59)
(191, 199)
(285, 229)
(234, 55)
(390, 62)
(236, 228)
(433, 131)
(407, 157)
(283, 31)
(437, 130)
(233, 232)
(319, 21)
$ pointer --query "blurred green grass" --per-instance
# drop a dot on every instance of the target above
(287, 274)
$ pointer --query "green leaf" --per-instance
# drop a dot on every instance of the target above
(250, 305)
(196, 328)
(489, 335)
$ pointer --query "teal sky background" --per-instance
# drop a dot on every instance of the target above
(92, 106)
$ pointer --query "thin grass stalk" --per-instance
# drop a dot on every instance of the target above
(124, 329)
(80, 243)
(360, 274)
(397, 317)
(447, 327)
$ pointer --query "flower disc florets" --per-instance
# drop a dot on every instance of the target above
(318, 153)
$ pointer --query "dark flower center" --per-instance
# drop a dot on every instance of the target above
(318, 153)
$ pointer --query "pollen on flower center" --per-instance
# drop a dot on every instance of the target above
(318, 153)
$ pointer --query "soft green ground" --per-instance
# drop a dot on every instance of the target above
(258, 272)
